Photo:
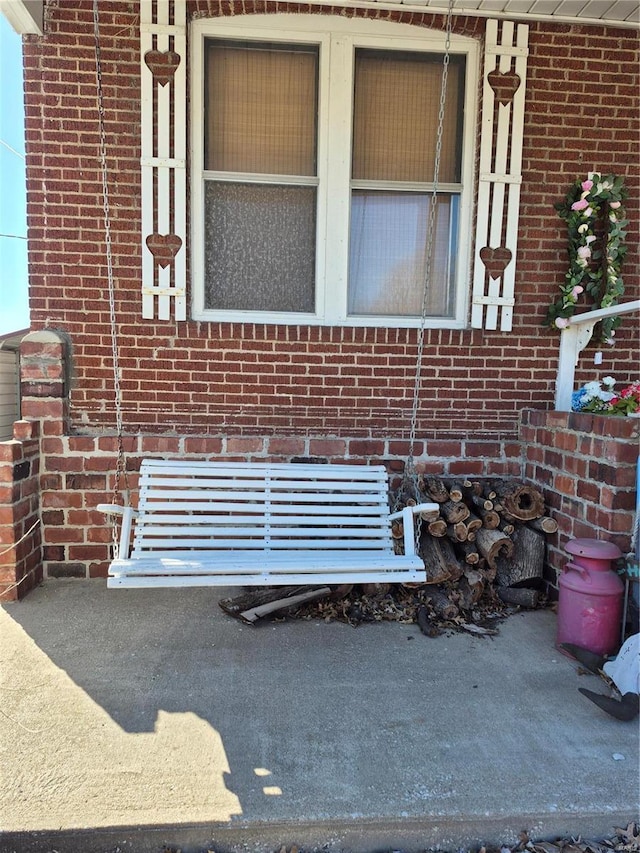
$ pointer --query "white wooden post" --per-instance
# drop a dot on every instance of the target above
(573, 340)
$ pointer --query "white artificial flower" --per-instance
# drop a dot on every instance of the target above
(608, 381)
(592, 389)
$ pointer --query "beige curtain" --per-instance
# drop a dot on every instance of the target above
(261, 108)
(396, 105)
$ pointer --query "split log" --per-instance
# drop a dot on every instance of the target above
(429, 515)
(440, 561)
(456, 492)
(437, 528)
(469, 589)
(526, 562)
(506, 527)
(397, 530)
(455, 511)
(473, 523)
(477, 487)
(492, 544)
(457, 532)
(545, 524)
(436, 490)
(488, 572)
(257, 604)
(375, 590)
(490, 518)
(341, 591)
(425, 624)
(442, 604)
(469, 552)
(519, 595)
(521, 500)
(468, 490)
(480, 502)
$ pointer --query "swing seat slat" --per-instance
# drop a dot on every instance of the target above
(257, 524)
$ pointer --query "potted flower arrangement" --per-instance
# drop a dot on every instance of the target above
(599, 397)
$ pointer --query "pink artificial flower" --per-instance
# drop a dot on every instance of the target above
(561, 322)
(586, 185)
(576, 291)
(614, 204)
(588, 212)
(584, 252)
(580, 204)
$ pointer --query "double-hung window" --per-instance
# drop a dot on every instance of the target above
(313, 156)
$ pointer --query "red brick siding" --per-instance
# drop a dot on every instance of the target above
(586, 466)
(20, 534)
(315, 383)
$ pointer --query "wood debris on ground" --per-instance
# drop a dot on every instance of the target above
(625, 840)
(366, 603)
(483, 549)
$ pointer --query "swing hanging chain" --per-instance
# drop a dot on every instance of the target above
(410, 464)
(121, 471)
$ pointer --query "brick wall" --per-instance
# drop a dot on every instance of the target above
(586, 466)
(20, 533)
(245, 390)
(258, 380)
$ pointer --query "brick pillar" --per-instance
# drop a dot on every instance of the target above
(45, 413)
(44, 381)
(585, 464)
(20, 535)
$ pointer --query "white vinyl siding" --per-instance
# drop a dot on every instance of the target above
(9, 393)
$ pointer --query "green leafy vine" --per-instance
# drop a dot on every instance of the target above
(594, 212)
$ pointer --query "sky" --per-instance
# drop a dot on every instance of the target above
(14, 312)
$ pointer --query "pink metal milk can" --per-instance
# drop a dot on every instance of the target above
(590, 599)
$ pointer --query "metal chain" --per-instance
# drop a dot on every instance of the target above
(410, 470)
(121, 471)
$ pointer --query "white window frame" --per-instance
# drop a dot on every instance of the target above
(338, 38)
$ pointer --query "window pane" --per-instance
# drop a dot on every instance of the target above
(396, 105)
(387, 254)
(261, 108)
(260, 247)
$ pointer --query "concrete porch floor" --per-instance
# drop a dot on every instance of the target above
(131, 720)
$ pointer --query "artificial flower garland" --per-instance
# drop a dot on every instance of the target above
(596, 222)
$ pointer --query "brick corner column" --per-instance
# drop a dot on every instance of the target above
(20, 535)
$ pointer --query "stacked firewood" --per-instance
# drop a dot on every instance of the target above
(484, 532)
(483, 549)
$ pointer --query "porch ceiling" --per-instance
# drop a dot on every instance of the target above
(622, 13)
(26, 15)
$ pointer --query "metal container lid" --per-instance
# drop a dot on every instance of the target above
(594, 549)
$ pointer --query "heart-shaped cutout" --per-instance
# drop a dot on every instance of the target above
(495, 260)
(162, 64)
(505, 84)
(164, 247)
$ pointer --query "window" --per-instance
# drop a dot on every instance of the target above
(313, 147)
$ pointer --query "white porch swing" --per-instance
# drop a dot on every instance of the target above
(220, 523)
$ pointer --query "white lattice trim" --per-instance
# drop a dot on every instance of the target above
(163, 61)
(500, 177)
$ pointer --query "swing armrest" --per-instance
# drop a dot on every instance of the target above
(406, 515)
(116, 509)
(128, 513)
(413, 510)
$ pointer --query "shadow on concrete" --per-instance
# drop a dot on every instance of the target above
(151, 717)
